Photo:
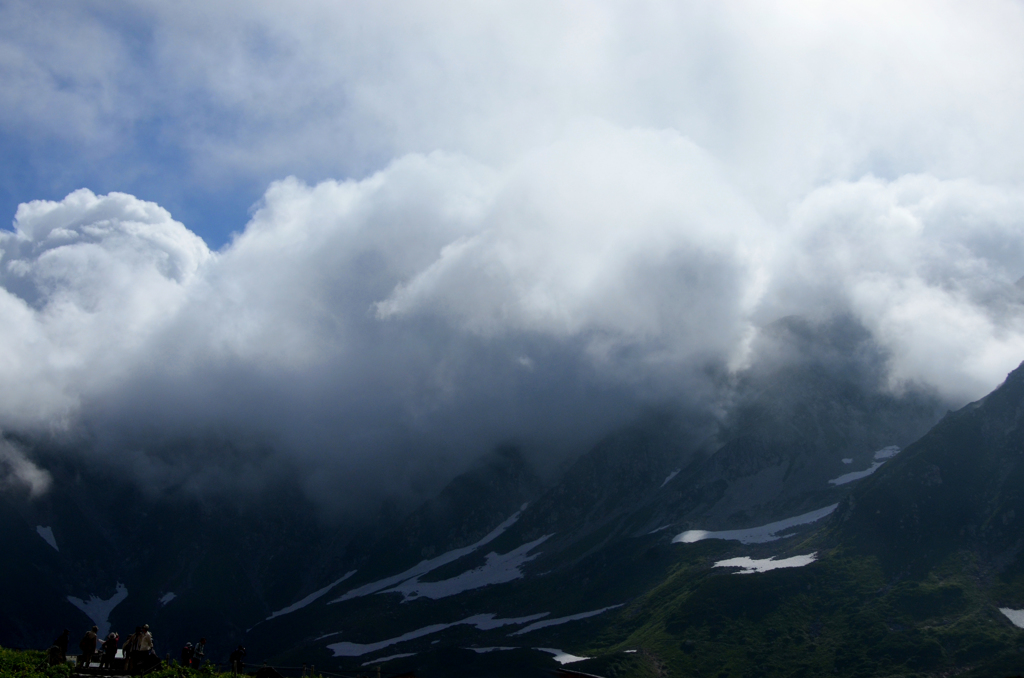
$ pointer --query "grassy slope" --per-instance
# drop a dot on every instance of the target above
(913, 569)
(32, 664)
(840, 616)
(29, 664)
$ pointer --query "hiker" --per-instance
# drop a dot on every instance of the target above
(186, 655)
(199, 651)
(54, 656)
(88, 645)
(144, 647)
(236, 657)
(62, 644)
(128, 651)
(108, 651)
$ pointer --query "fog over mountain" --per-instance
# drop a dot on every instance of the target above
(480, 224)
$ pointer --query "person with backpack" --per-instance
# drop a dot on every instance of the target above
(108, 651)
(87, 645)
(128, 651)
(237, 667)
(62, 644)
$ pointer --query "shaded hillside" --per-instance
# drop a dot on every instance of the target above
(960, 486)
(916, 574)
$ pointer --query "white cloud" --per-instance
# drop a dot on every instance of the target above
(358, 324)
(928, 266)
(788, 95)
(18, 471)
(86, 282)
(560, 212)
(622, 236)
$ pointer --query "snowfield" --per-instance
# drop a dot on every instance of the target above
(483, 622)
(381, 660)
(880, 458)
(310, 598)
(562, 620)
(47, 534)
(426, 566)
(484, 650)
(755, 535)
(1015, 616)
(855, 475)
(751, 566)
(887, 452)
(498, 569)
(560, 656)
(98, 610)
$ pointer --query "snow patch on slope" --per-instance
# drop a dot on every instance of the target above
(880, 458)
(485, 650)
(670, 477)
(755, 535)
(166, 598)
(426, 566)
(498, 569)
(1015, 616)
(98, 610)
(560, 656)
(750, 566)
(47, 534)
(381, 660)
(856, 475)
(482, 622)
(887, 452)
(310, 598)
(563, 620)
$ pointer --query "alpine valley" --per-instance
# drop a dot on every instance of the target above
(818, 524)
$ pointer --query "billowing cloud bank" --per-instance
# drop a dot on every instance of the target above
(616, 208)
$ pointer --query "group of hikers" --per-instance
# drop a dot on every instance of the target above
(138, 652)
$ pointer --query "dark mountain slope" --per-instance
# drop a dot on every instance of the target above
(606, 528)
(960, 486)
(912, 577)
(223, 561)
(467, 509)
(596, 542)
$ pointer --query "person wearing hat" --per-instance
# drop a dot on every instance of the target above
(108, 651)
(88, 645)
(146, 640)
(186, 655)
(143, 647)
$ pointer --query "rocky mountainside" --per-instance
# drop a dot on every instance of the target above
(961, 486)
(917, 573)
(581, 552)
(864, 552)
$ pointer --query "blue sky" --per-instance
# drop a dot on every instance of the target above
(39, 169)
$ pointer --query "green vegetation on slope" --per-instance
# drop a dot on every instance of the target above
(841, 616)
(32, 664)
(29, 664)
